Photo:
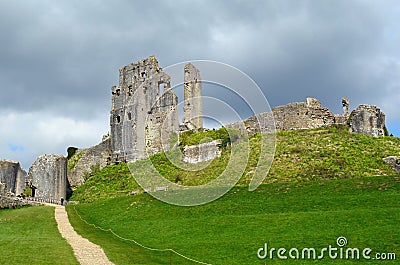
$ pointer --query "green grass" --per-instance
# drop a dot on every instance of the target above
(326, 153)
(323, 183)
(194, 138)
(75, 159)
(230, 230)
(30, 236)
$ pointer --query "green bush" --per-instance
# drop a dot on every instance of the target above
(27, 192)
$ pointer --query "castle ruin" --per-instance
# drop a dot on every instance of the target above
(12, 177)
(144, 117)
(365, 119)
(48, 177)
(144, 114)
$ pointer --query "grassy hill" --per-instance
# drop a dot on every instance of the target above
(320, 154)
(323, 184)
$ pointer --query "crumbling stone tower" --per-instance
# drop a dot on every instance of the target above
(143, 113)
(48, 177)
(192, 116)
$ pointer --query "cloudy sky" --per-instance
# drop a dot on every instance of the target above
(59, 59)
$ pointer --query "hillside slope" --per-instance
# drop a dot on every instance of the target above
(304, 155)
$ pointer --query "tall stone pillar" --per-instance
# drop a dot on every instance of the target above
(192, 109)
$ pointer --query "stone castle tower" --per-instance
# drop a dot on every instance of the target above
(192, 116)
(144, 113)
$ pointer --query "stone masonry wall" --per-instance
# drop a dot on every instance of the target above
(2, 189)
(11, 202)
(49, 175)
(134, 102)
(369, 120)
(13, 176)
(192, 107)
(162, 123)
(366, 119)
(96, 155)
(203, 152)
(302, 115)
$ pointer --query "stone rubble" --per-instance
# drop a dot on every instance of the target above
(394, 161)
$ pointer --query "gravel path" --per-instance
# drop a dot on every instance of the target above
(85, 251)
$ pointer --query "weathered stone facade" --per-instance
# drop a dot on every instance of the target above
(200, 153)
(367, 119)
(192, 108)
(12, 176)
(394, 161)
(89, 158)
(144, 113)
(141, 104)
(263, 122)
(48, 174)
(302, 115)
(2, 189)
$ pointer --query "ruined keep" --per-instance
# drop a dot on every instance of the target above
(192, 108)
(12, 176)
(143, 106)
(48, 177)
(144, 113)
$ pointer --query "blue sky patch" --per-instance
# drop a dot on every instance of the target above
(16, 148)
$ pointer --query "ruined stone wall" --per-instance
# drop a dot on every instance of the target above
(302, 115)
(2, 189)
(13, 176)
(203, 152)
(192, 108)
(134, 101)
(369, 120)
(366, 119)
(293, 116)
(49, 175)
(162, 123)
(96, 155)
(11, 202)
(262, 122)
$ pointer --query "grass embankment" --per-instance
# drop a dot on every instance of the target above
(230, 230)
(327, 153)
(323, 184)
(30, 236)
